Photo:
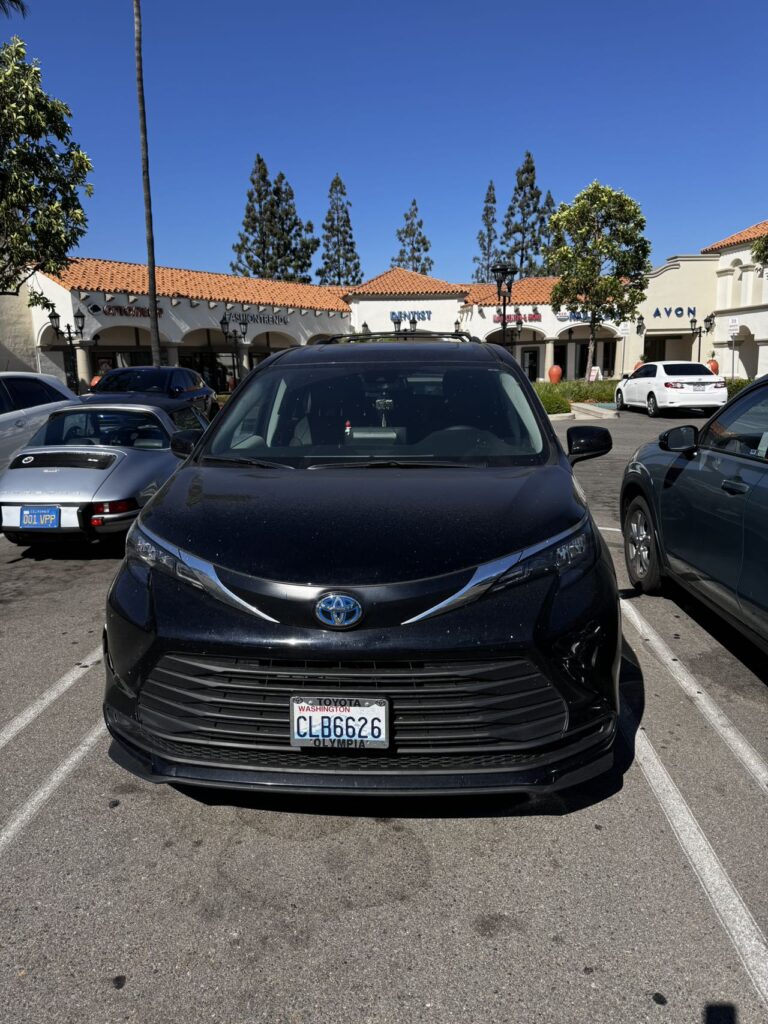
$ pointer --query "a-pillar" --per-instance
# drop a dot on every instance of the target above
(83, 367)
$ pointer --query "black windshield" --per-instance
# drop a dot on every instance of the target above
(443, 413)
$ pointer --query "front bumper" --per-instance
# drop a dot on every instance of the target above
(494, 696)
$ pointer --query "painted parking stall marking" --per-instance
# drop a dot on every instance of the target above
(719, 721)
(29, 714)
(741, 927)
(22, 817)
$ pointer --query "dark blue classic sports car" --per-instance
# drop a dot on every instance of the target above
(694, 506)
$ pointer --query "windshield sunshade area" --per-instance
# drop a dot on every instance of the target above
(115, 428)
(142, 379)
(368, 412)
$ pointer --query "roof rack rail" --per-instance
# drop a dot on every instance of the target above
(362, 337)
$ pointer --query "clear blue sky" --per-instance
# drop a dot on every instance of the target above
(661, 98)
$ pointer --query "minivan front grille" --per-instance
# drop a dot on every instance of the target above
(439, 709)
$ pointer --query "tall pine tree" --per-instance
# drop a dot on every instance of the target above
(414, 244)
(487, 238)
(521, 242)
(547, 209)
(274, 242)
(340, 262)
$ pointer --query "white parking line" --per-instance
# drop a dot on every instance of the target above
(21, 721)
(740, 746)
(741, 927)
(29, 809)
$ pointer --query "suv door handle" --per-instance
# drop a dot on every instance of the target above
(734, 486)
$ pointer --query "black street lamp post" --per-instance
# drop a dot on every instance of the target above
(55, 322)
(709, 323)
(233, 337)
(503, 275)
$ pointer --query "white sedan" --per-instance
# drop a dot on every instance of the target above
(671, 384)
(26, 402)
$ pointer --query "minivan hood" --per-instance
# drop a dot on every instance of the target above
(356, 527)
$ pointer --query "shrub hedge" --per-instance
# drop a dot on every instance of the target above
(735, 385)
(578, 390)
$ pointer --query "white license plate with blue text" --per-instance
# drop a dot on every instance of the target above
(343, 723)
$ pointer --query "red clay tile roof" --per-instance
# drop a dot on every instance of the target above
(398, 281)
(90, 275)
(530, 291)
(747, 235)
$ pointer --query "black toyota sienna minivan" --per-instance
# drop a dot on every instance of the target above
(374, 573)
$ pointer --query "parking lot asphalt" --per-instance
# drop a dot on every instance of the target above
(642, 897)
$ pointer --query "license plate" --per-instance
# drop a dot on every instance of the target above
(343, 723)
(698, 387)
(40, 517)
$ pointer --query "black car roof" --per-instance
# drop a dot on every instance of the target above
(162, 401)
(391, 352)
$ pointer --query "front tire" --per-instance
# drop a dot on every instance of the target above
(653, 406)
(641, 552)
(620, 401)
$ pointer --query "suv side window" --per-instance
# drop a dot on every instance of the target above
(26, 392)
(742, 429)
(178, 380)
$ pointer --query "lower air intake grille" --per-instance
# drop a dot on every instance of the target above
(443, 714)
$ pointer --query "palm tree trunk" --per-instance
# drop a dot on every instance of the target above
(154, 330)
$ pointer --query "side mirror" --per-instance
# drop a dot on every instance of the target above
(183, 442)
(680, 439)
(588, 443)
(625, 376)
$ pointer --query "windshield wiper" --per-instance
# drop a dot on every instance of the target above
(397, 464)
(244, 460)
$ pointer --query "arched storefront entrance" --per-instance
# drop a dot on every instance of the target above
(527, 346)
(572, 346)
(113, 347)
(219, 361)
(264, 344)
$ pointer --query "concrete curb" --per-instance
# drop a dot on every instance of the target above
(562, 416)
(586, 410)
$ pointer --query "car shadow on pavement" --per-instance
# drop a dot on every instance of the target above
(75, 550)
(475, 805)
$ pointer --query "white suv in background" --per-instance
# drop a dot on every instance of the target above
(26, 401)
(671, 384)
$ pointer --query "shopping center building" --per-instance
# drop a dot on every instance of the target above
(720, 288)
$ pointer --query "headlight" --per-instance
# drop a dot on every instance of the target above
(558, 556)
(140, 547)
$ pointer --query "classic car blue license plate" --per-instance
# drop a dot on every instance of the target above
(40, 517)
(344, 723)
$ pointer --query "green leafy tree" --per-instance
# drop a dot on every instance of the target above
(547, 209)
(9, 7)
(340, 262)
(154, 327)
(274, 242)
(760, 251)
(487, 239)
(42, 173)
(521, 241)
(602, 257)
(414, 244)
